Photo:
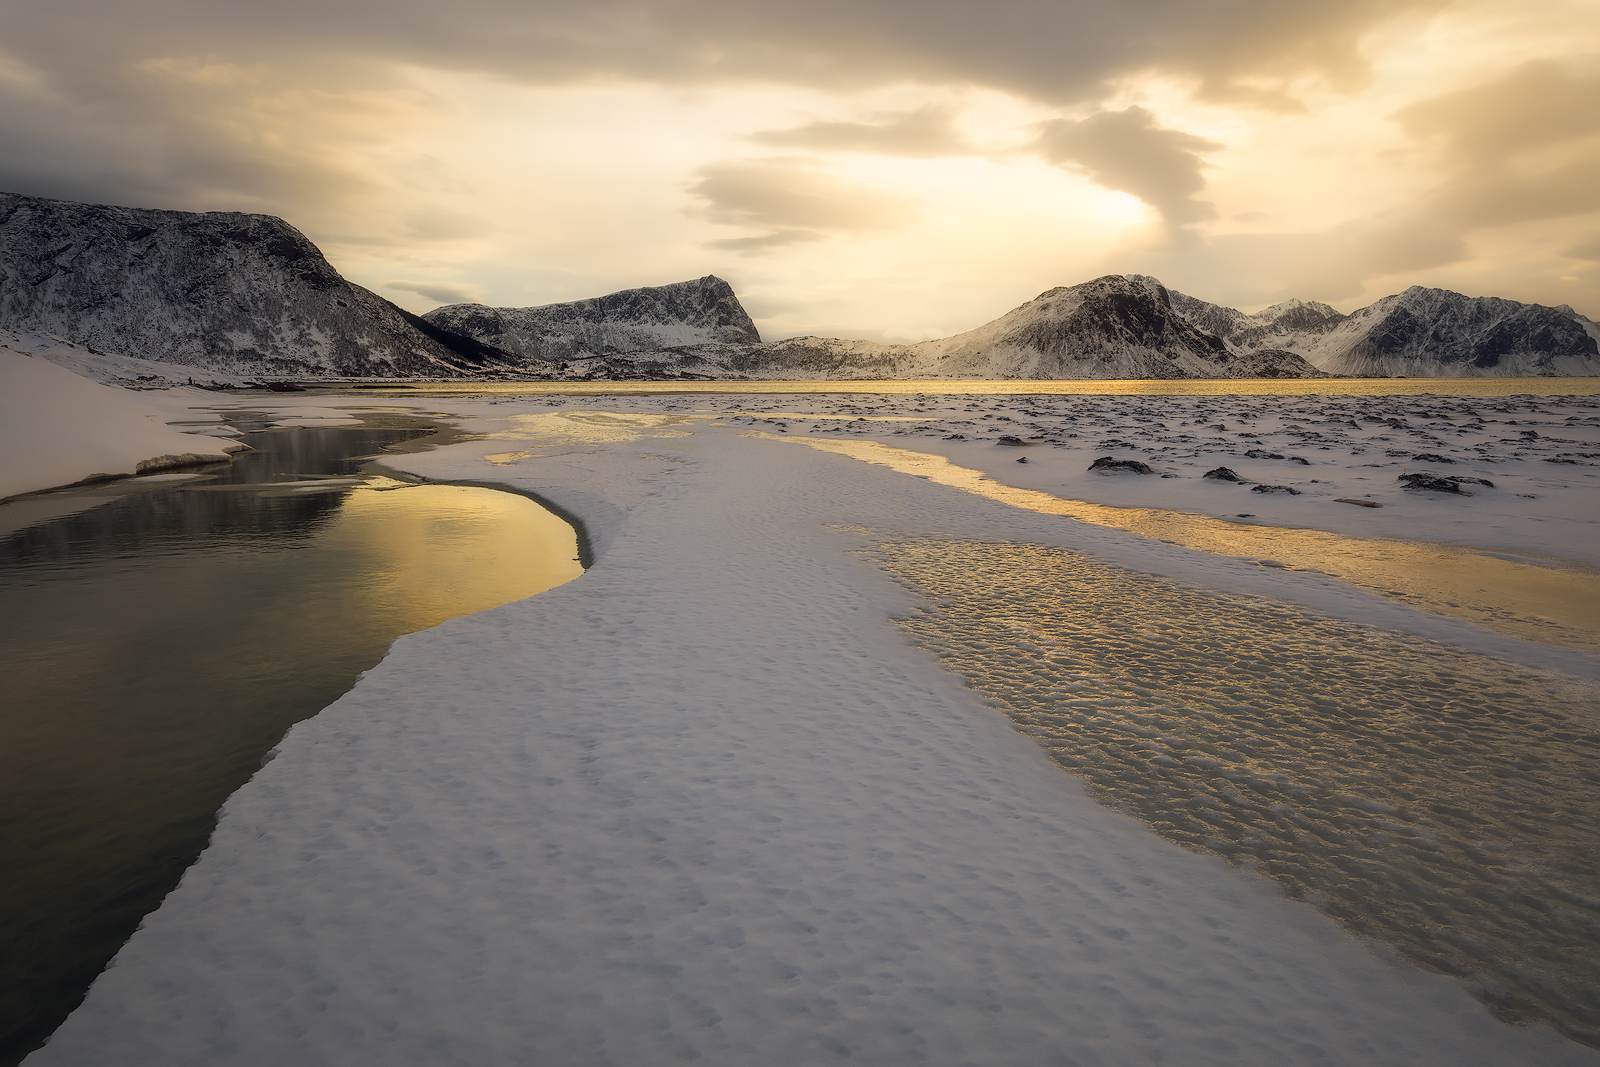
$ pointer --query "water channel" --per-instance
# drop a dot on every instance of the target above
(161, 634)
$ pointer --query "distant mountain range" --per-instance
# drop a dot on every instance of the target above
(250, 295)
(1418, 333)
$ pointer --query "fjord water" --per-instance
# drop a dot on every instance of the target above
(159, 642)
(1485, 387)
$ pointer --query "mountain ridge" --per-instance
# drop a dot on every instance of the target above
(701, 311)
(1419, 332)
(244, 294)
(228, 292)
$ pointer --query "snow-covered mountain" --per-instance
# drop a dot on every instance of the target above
(239, 294)
(1118, 326)
(1112, 327)
(220, 291)
(1434, 333)
(703, 311)
(1418, 333)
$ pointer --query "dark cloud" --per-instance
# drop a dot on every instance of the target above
(180, 136)
(443, 292)
(1522, 147)
(1053, 50)
(794, 200)
(200, 104)
(1129, 151)
(928, 132)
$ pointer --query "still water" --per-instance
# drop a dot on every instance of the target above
(160, 640)
(1011, 387)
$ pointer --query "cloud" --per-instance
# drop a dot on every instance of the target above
(927, 132)
(766, 242)
(1588, 249)
(443, 292)
(1129, 151)
(1522, 147)
(1255, 269)
(793, 198)
(201, 105)
(1049, 50)
(439, 224)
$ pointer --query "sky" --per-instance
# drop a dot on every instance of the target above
(885, 169)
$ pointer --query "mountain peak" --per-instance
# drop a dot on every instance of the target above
(222, 290)
(700, 311)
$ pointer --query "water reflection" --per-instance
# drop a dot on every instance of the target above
(1013, 387)
(1440, 801)
(159, 643)
(1557, 605)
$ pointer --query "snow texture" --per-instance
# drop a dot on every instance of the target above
(705, 803)
(110, 369)
(58, 428)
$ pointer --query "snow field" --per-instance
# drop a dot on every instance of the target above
(705, 803)
(57, 428)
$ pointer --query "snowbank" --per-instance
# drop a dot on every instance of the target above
(705, 803)
(57, 428)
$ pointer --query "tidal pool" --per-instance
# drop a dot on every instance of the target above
(1445, 803)
(161, 638)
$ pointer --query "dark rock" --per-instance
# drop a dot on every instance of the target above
(1107, 465)
(1432, 483)
(1357, 503)
(1274, 489)
(1224, 474)
(1010, 441)
(1300, 460)
(1431, 457)
(1256, 453)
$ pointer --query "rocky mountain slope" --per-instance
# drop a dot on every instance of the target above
(220, 291)
(1418, 333)
(703, 311)
(1112, 327)
(1118, 326)
(1433, 332)
(238, 294)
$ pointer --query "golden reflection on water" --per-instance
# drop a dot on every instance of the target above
(1011, 387)
(1441, 801)
(1558, 606)
(501, 547)
(158, 643)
